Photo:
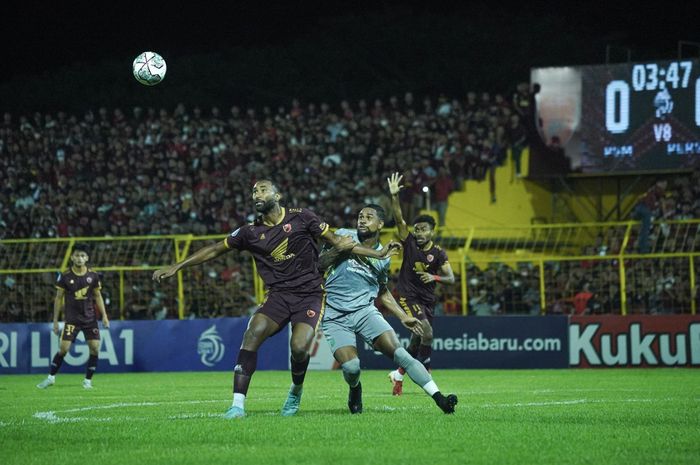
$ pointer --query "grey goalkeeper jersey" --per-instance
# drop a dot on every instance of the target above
(354, 283)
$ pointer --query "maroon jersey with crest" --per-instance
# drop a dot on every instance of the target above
(416, 259)
(286, 254)
(79, 290)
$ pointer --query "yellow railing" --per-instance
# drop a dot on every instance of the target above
(670, 268)
(538, 268)
(28, 268)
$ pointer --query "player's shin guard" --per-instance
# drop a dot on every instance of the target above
(351, 372)
(243, 371)
(415, 370)
(299, 370)
(91, 366)
(56, 363)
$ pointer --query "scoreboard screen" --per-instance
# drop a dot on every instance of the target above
(622, 117)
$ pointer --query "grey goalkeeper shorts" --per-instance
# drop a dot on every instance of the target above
(342, 328)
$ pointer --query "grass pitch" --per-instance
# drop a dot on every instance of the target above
(504, 417)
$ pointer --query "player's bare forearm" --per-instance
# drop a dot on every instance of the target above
(389, 250)
(394, 183)
(204, 255)
(99, 301)
(390, 304)
(57, 305)
(328, 258)
(209, 252)
(401, 226)
(367, 251)
(447, 276)
(408, 321)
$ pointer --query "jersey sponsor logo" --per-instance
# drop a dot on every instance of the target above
(279, 254)
(262, 236)
(310, 313)
(287, 228)
(430, 257)
(210, 347)
(420, 266)
(81, 294)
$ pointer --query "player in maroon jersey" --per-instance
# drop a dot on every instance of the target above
(80, 288)
(283, 242)
(423, 265)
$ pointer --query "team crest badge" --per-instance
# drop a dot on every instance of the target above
(322, 226)
(287, 227)
(430, 258)
(310, 313)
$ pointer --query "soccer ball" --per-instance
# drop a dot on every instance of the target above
(149, 68)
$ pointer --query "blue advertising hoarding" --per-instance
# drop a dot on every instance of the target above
(153, 345)
(488, 342)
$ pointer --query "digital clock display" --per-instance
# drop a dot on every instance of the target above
(623, 117)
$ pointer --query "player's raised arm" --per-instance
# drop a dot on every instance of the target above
(409, 322)
(203, 255)
(446, 275)
(57, 307)
(394, 188)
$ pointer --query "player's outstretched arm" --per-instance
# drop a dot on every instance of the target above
(409, 322)
(204, 255)
(446, 275)
(346, 244)
(394, 188)
(57, 307)
(99, 301)
(391, 249)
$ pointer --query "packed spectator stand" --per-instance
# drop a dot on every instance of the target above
(147, 171)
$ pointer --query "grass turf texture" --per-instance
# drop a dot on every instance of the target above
(504, 417)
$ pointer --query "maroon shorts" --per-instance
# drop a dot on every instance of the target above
(416, 309)
(71, 331)
(284, 307)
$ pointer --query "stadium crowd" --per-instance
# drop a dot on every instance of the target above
(154, 172)
(149, 171)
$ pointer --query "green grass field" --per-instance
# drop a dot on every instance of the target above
(504, 417)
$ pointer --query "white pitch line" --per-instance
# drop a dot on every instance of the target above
(188, 416)
(139, 404)
(568, 402)
(52, 417)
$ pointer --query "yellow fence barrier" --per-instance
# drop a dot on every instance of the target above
(533, 269)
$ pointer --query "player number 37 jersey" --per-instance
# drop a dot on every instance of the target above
(79, 292)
